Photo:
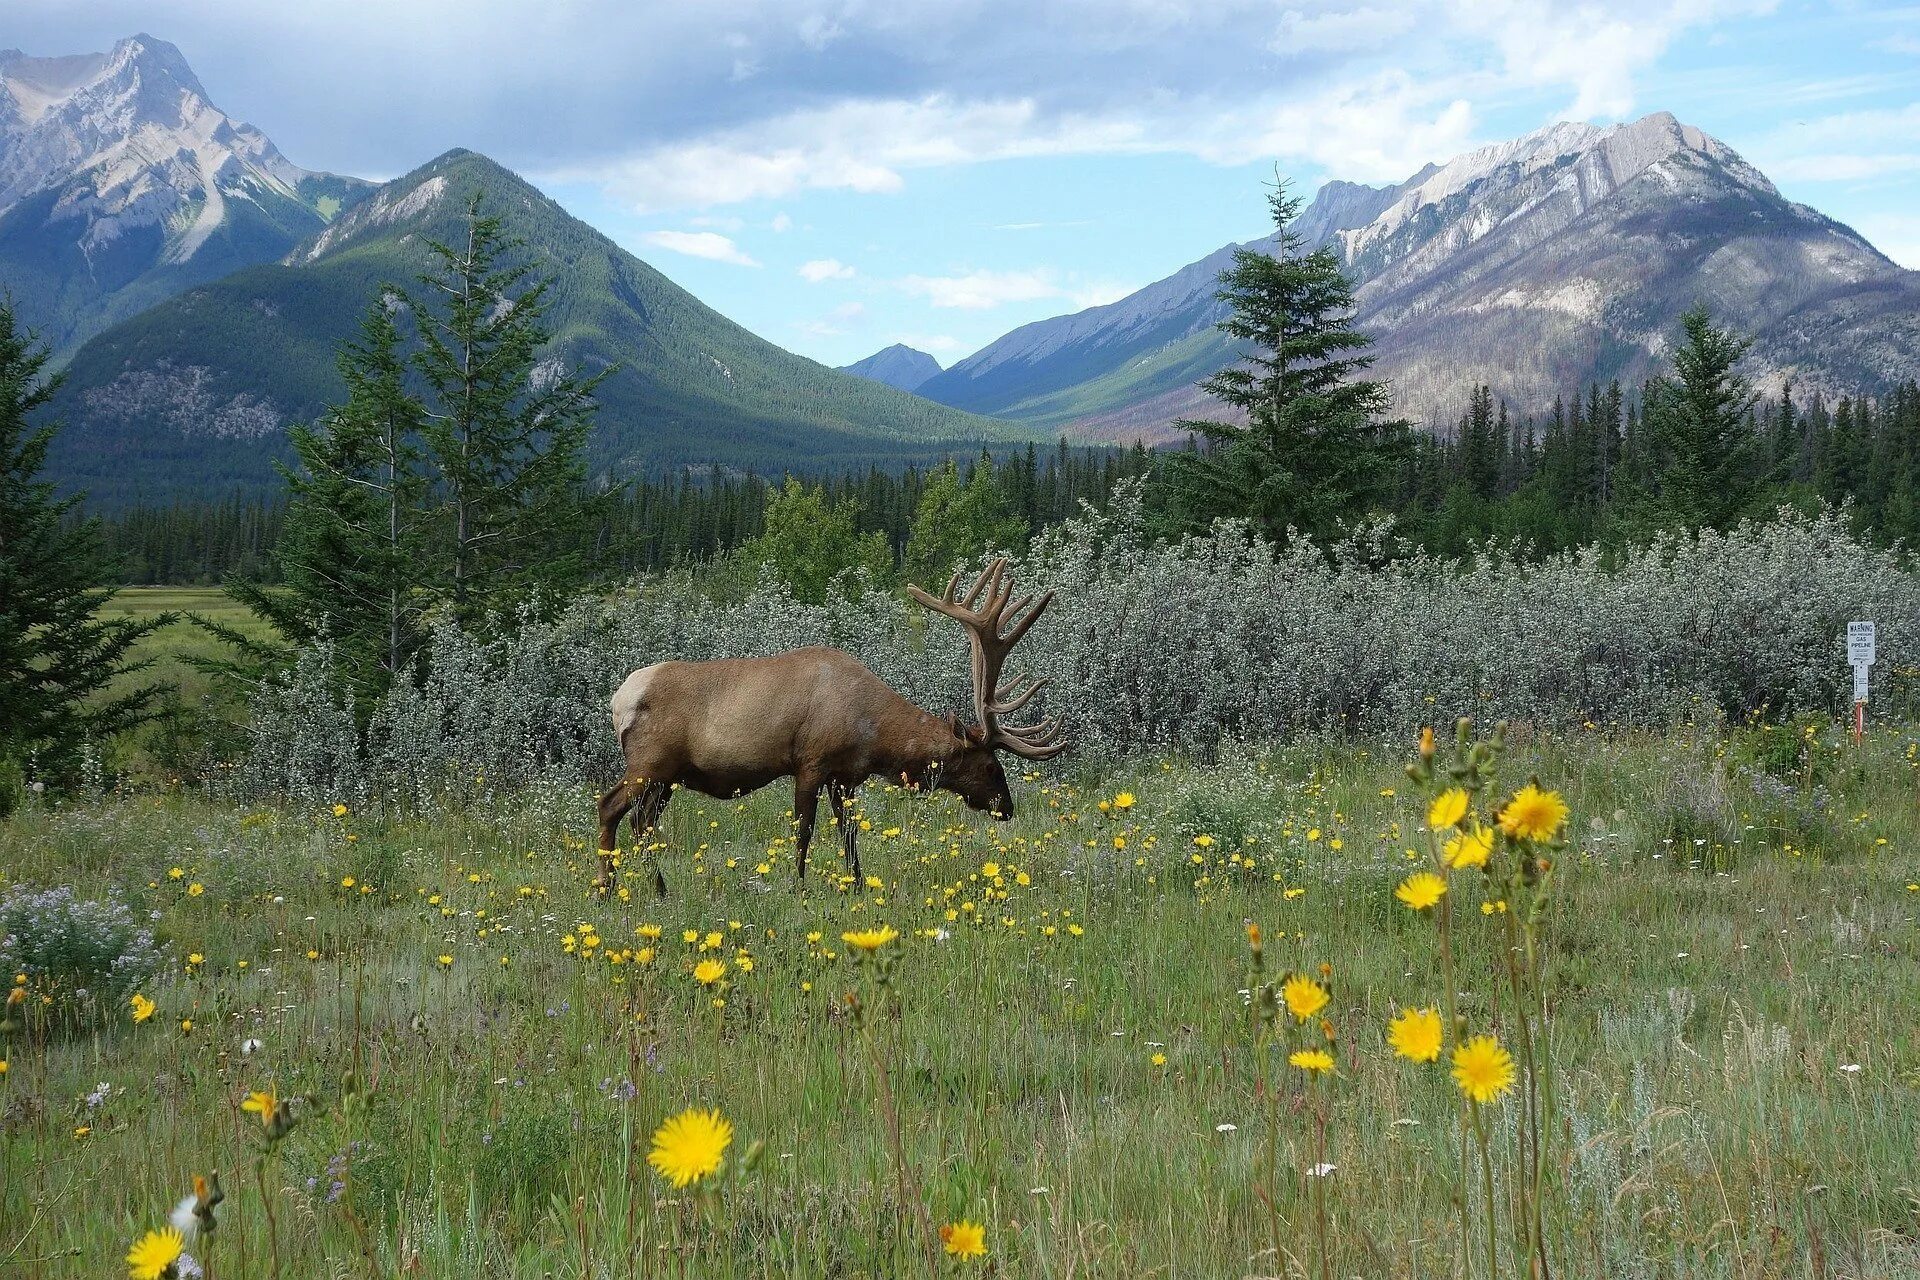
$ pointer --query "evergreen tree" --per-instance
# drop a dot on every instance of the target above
(351, 557)
(1699, 420)
(504, 430)
(954, 521)
(1315, 450)
(57, 654)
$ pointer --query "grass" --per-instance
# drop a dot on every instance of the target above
(490, 1115)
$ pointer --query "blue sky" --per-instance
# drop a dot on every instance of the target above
(842, 174)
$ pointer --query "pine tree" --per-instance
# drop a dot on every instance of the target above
(1699, 421)
(57, 654)
(351, 556)
(504, 429)
(1315, 451)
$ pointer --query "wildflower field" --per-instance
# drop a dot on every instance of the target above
(1273, 1015)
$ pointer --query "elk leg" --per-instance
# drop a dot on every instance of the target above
(841, 797)
(646, 822)
(613, 807)
(806, 799)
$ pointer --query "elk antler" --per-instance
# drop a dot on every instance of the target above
(995, 621)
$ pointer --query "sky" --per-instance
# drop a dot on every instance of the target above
(840, 175)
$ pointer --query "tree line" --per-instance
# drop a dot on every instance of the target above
(648, 524)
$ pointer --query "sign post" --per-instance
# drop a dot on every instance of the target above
(1860, 652)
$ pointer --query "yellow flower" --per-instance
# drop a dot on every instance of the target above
(1303, 995)
(1124, 800)
(690, 1146)
(1204, 841)
(195, 958)
(142, 1007)
(989, 869)
(1483, 1069)
(262, 1103)
(176, 873)
(346, 882)
(195, 889)
(964, 1239)
(3, 1066)
(1447, 809)
(1416, 1035)
(1533, 814)
(339, 811)
(1421, 890)
(445, 961)
(870, 940)
(709, 971)
(154, 1254)
(1159, 1060)
(1470, 847)
(1315, 1060)
(651, 932)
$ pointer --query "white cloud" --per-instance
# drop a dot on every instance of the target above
(1849, 146)
(833, 324)
(1341, 30)
(700, 244)
(825, 269)
(979, 290)
(781, 223)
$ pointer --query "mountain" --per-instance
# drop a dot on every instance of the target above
(1534, 266)
(193, 395)
(121, 184)
(899, 366)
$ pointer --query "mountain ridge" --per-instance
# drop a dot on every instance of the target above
(195, 393)
(900, 366)
(121, 184)
(1533, 265)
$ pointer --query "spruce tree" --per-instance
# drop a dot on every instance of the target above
(1699, 422)
(504, 429)
(351, 557)
(1315, 450)
(57, 654)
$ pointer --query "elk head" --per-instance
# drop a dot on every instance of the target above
(994, 621)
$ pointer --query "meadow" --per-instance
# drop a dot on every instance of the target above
(474, 1051)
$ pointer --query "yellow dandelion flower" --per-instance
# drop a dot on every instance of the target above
(690, 1146)
(142, 1007)
(262, 1103)
(1311, 1060)
(445, 961)
(1304, 997)
(870, 940)
(1124, 800)
(155, 1254)
(1159, 1059)
(964, 1239)
(1421, 890)
(1447, 809)
(1416, 1035)
(1533, 814)
(1470, 847)
(1482, 1069)
(709, 971)
(339, 811)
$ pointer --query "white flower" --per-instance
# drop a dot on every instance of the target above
(1852, 1068)
(183, 1220)
(1225, 1128)
(1321, 1170)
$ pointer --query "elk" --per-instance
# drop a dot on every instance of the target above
(819, 716)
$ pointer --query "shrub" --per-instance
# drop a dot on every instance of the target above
(86, 954)
(1187, 645)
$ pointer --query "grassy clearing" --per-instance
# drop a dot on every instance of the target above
(1729, 944)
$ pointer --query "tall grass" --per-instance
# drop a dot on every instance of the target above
(490, 1115)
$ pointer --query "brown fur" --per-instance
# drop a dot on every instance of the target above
(819, 716)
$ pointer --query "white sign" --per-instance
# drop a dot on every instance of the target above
(1860, 682)
(1860, 643)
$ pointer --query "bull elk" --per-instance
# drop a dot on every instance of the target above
(820, 717)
